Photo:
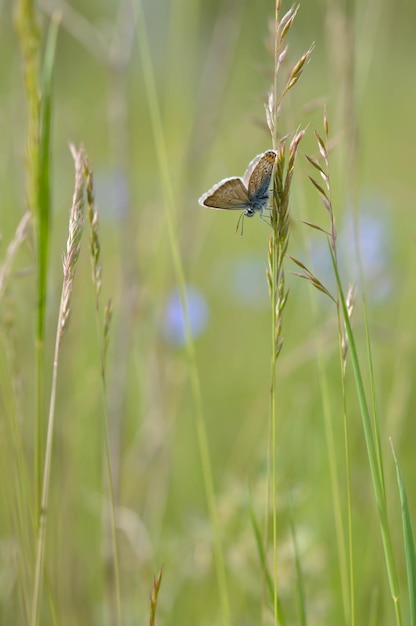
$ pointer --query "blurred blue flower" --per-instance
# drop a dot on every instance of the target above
(173, 325)
(374, 241)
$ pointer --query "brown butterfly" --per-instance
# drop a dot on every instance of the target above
(250, 193)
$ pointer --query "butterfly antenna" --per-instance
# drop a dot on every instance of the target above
(240, 219)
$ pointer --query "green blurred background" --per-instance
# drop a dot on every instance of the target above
(213, 67)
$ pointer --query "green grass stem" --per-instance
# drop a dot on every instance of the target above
(28, 34)
(300, 586)
(409, 545)
(169, 203)
(43, 229)
(69, 266)
(102, 326)
(377, 479)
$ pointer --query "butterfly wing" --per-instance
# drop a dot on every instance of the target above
(259, 174)
(228, 194)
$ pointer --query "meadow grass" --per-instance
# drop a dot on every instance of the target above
(252, 463)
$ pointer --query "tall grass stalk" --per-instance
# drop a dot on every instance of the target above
(76, 221)
(169, 203)
(39, 97)
(409, 544)
(347, 344)
(298, 564)
(103, 329)
(359, 42)
(345, 561)
(346, 568)
(375, 470)
(278, 243)
(28, 35)
(345, 305)
(17, 485)
(44, 173)
(43, 230)
(353, 84)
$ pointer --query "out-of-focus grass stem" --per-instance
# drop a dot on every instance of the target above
(169, 203)
(28, 35)
(39, 98)
(375, 470)
(76, 220)
(278, 243)
(103, 328)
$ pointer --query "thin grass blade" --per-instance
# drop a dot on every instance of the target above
(409, 545)
(263, 561)
(300, 587)
(371, 452)
(44, 171)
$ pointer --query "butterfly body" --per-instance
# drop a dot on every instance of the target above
(250, 193)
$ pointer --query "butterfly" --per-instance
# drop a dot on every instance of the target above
(249, 194)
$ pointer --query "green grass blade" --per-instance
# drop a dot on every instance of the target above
(373, 398)
(260, 549)
(178, 268)
(44, 200)
(375, 471)
(42, 230)
(300, 587)
(154, 597)
(263, 561)
(409, 546)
